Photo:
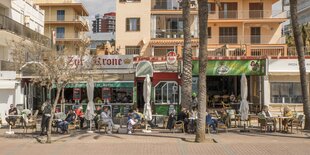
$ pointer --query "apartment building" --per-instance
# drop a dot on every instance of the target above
(244, 36)
(105, 23)
(19, 19)
(97, 24)
(67, 19)
(108, 22)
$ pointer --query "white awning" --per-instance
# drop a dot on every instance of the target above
(6, 84)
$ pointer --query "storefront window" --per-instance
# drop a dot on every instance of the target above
(121, 95)
(285, 92)
(167, 92)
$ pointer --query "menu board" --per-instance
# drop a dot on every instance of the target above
(115, 110)
(126, 110)
(106, 94)
(76, 94)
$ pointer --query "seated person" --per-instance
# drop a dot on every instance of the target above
(106, 119)
(211, 122)
(223, 117)
(98, 112)
(287, 112)
(80, 115)
(63, 124)
(12, 119)
(267, 114)
(131, 122)
(183, 116)
(171, 120)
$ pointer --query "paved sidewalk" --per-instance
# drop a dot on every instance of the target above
(157, 143)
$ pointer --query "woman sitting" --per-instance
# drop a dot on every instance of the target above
(287, 112)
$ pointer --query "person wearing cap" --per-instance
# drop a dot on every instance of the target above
(11, 119)
(46, 110)
(80, 115)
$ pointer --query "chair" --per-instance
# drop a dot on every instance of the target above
(265, 123)
(31, 123)
(221, 125)
(216, 99)
(179, 125)
(231, 116)
(226, 105)
(165, 122)
(103, 125)
(296, 122)
(75, 124)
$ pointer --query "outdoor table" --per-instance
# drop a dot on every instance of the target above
(155, 117)
(10, 127)
(280, 118)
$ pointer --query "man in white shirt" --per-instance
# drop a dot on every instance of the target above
(105, 118)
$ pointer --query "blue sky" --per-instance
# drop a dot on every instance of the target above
(98, 6)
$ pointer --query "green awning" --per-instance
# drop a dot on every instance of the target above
(232, 67)
(114, 84)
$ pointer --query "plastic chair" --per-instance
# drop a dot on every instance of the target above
(296, 122)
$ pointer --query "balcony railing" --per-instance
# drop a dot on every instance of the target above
(6, 66)
(224, 39)
(291, 51)
(67, 18)
(170, 4)
(71, 37)
(171, 33)
(248, 14)
(23, 31)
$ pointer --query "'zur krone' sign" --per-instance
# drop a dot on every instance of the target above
(101, 61)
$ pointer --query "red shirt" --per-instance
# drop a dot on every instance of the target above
(79, 112)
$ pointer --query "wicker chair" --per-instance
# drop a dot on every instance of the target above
(179, 125)
(31, 123)
(296, 122)
(265, 123)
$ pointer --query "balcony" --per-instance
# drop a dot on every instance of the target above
(171, 34)
(248, 14)
(291, 51)
(6, 66)
(72, 37)
(20, 30)
(68, 19)
(170, 5)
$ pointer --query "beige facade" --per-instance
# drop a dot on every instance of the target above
(67, 19)
(248, 24)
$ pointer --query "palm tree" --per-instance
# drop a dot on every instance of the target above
(301, 60)
(187, 57)
(203, 60)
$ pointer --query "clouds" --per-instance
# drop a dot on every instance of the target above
(98, 6)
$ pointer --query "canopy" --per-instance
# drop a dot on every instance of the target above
(147, 97)
(90, 111)
(244, 106)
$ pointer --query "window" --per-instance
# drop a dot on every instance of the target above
(162, 50)
(228, 35)
(132, 24)
(61, 15)
(211, 8)
(167, 92)
(285, 92)
(209, 32)
(228, 10)
(132, 50)
(255, 35)
(60, 32)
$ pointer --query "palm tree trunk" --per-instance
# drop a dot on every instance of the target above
(301, 60)
(186, 99)
(49, 132)
(203, 60)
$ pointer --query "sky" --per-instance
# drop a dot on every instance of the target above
(98, 6)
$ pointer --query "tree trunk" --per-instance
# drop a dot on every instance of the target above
(203, 60)
(186, 98)
(301, 60)
(49, 132)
